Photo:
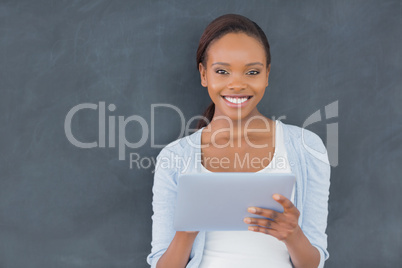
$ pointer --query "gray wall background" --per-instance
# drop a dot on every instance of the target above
(64, 206)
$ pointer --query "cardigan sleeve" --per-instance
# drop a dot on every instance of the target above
(164, 197)
(315, 205)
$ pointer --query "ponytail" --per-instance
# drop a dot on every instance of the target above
(207, 116)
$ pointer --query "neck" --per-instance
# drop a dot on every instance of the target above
(240, 127)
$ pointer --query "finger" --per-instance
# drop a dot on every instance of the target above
(263, 230)
(261, 222)
(286, 203)
(272, 232)
(267, 213)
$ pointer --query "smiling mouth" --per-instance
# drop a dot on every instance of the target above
(237, 100)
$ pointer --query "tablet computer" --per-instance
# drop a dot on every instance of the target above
(218, 201)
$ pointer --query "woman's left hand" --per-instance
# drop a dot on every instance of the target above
(284, 226)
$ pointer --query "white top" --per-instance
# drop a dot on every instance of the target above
(239, 249)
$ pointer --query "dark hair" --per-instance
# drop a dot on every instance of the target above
(229, 23)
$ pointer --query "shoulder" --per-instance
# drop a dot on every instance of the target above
(303, 137)
(181, 146)
(305, 143)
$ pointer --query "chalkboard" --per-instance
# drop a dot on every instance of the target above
(82, 82)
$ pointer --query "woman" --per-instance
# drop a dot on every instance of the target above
(233, 59)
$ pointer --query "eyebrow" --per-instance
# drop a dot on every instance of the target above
(248, 64)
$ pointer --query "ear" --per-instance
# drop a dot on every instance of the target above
(268, 70)
(203, 75)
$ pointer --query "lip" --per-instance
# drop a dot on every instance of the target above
(237, 96)
(236, 105)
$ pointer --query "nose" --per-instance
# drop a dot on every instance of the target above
(236, 82)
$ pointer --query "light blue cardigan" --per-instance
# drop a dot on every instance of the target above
(308, 160)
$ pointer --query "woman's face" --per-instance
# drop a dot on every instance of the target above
(235, 67)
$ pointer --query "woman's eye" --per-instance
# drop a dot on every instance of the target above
(254, 72)
(221, 71)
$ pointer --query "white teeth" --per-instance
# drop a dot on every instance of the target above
(236, 100)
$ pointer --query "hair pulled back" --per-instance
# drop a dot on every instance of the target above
(229, 23)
